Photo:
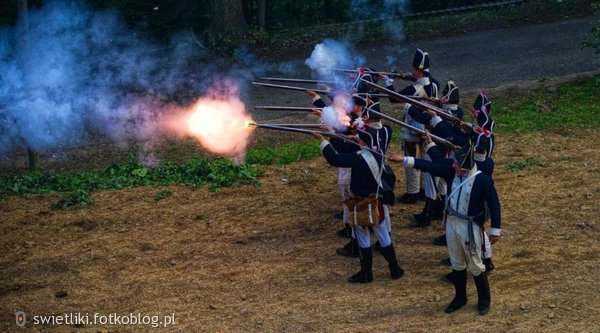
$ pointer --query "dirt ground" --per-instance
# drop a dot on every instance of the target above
(263, 258)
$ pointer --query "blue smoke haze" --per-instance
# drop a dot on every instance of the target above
(83, 71)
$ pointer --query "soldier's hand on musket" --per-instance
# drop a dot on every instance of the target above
(494, 239)
(376, 77)
(316, 112)
(387, 80)
(396, 158)
(318, 136)
(426, 137)
(312, 94)
(473, 114)
(431, 113)
(324, 86)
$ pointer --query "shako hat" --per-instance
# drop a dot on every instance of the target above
(421, 61)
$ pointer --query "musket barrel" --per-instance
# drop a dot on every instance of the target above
(295, 130)
(404, 76)
(298, 125)
(319, 91)
(435, 138)
(287, 108)
(413, 101)
(281, 86)
(283, 79)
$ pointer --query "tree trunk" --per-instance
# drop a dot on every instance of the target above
(262, 11)
(23, 26)
(227, 19)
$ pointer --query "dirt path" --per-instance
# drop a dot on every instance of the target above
(263, 259)
(487, 59)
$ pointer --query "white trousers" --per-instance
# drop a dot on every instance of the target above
(381, 232)
(488, 247)
(442, 187)
(457, 237)
(429, 182)
(345, 194)
(344, 176)
(388, 219)
(413, 176)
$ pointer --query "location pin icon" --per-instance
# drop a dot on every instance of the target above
(20, 318)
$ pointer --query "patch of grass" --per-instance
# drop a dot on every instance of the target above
(573, 105)
(520, 165)
(78, 196)
(162, 195)
(193, 172)
(284, 154)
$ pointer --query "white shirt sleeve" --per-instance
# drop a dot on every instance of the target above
(495, 231)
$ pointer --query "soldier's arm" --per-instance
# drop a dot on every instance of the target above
(348, 160)
(491, 198)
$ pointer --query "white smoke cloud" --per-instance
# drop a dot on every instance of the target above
(330, 55)
(336, 116)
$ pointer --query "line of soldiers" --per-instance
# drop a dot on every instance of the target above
(458, 185)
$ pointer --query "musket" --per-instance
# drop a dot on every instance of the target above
(319, 91)
(323, 91)
(403, 76)
(292, 129)
(421, 105)
(283, 79)
(287, 108)
(304, 131)
(299, 125)
(435, 138)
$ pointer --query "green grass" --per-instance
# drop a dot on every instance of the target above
(76, 186)
(284, 154)
(160, 195)
(520, 165)
(574, 105)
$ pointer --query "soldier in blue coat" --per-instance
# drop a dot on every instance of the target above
(366, 164)
(435, 188)
(469, 190)
(423, 86)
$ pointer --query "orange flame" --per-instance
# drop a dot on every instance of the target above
(343, 106)
(220, 125)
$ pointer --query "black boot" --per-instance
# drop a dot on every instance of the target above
(349, 250)
(446, 262)
(489, 265)
(346, 232)
(421, 195)
(422, 218)
(448, 278)
(365, 275)
(437, 209)
(440, 240)
(377, 247)
(409, 199)
(484, 297)
(390, 256)
(459, 278)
